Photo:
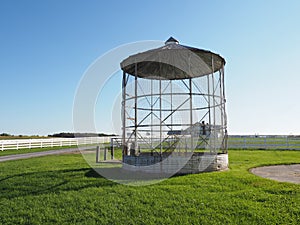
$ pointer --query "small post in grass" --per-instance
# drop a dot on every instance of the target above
(112, 152)
(112, 148)
(105, 153)
(97, 154)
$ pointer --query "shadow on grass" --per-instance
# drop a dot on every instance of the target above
(58, 181)
(47, 182)
(92, 174)
(123, 176)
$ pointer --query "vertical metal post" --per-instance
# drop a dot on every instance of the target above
(160, 118)
(135, 109)
(151, 133)
(208, 94)
(171, 111)
(171, 101)
(191, 113)
(221, 103)
(224, 98)
(214, 103)
(97, 154)
(105, 153)
(222, 107)
(112, 148)
(124, 147)
(224, 123)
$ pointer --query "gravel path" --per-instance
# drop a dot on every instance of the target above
(284, 173)
(38, 154)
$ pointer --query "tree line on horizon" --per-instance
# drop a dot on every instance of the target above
(62, 134)
(73, 135)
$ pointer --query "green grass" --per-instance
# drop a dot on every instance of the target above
(63, 189)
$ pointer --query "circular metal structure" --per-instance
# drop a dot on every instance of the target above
(173, 104)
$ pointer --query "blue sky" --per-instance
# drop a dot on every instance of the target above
(46, 46)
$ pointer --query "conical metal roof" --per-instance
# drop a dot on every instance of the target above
(173, 61)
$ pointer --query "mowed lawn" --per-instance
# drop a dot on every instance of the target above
(62, 189)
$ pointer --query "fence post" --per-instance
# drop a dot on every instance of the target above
(287, 142)
(244, 142)
(97, 154)
(112, 148)
(105, 153)
(2, 148)
(265, 142)
(17, 145)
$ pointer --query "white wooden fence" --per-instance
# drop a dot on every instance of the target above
(50, 142)
(234, 142)
(276, 142)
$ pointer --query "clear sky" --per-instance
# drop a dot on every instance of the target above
(46, 46)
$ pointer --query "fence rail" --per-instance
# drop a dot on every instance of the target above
(234, 142)
(277, 142)
(50, 142)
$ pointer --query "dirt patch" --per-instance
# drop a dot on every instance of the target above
(283, 173)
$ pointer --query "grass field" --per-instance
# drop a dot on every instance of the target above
(62, 189)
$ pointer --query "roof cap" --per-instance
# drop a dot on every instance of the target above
(171, 40)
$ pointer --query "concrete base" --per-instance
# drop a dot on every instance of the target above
(176, 164)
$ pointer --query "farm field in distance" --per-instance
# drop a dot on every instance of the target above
(63, 189)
